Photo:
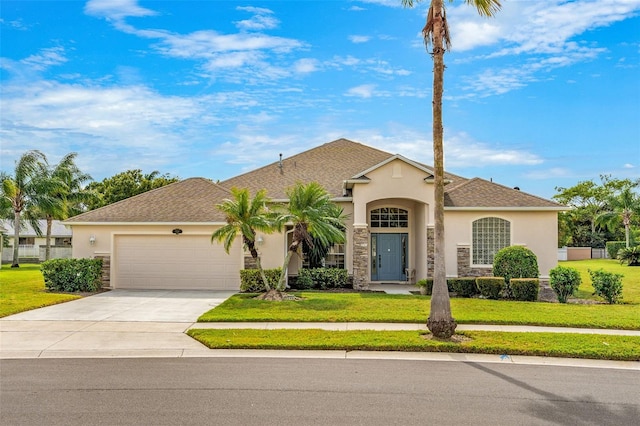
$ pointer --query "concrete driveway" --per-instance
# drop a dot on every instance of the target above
(118, 323)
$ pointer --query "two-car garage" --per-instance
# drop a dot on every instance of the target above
(189, 262)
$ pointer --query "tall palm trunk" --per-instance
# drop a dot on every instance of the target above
(256, 256)
(16, 239)
(47, 250)
(440, 322)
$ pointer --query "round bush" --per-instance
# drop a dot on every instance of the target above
(564, 282)
(515, 262)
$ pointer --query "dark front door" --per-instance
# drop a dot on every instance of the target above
(388, 256)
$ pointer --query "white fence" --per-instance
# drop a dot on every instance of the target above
(36, 252)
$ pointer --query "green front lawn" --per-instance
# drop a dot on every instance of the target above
(500, 343)
(22, 289)
(630, 282)
(379, 307)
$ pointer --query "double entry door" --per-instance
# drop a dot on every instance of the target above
(389, 256)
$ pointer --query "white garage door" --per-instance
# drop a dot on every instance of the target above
(187, 262)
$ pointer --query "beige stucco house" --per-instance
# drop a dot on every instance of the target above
(161, 239)
(32, 243)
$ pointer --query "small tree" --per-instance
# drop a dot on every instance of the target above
(607, 285)
(245, 216)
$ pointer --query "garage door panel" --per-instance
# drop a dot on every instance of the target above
(175, 262)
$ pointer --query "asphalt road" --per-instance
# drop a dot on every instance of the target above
(263, 391)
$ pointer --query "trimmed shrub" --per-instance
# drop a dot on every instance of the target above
(323, 278)
(608, 285)
(251, 281)
(463, 287)
(613, 247)
(72, 275)
(426, 286)
(630, 256)
(564, 281)
(515, 262)
(490, 287)
(525, 289)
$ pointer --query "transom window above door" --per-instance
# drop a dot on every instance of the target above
(389, 217)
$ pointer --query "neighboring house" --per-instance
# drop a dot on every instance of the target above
(162, 238)
(32, 246)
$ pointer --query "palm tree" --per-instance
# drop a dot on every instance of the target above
(436, 33)
(622, 208)
(245, 216)
(27, 191)
(67, 187)
(312, 215)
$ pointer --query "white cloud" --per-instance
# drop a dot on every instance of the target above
(305, 65)
(116, 10)
(263, 19)
(628, 166)
(463, 151)
(359, 39)
(45, 58)
(362, 91)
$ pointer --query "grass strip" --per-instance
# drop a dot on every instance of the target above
(22, 289)
(380, 307)
(589, 346)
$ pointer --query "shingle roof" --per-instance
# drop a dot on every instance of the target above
(193, 200)
(57, 228)
(190, 200)
(478, 192)
(329, 165)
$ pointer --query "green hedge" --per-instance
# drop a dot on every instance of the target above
(72, 275)
(463, 287)
(525, 289)
(322, 278)
(613, 247)
(251, 281)
(490, 287)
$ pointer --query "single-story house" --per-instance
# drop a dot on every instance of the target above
(161, 238)
(32, 245)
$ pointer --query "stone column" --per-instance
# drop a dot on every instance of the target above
(106, 270)
(361, 257)
(430, 250)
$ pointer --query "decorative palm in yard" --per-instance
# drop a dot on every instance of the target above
(245, 216)
(313, 216)
(436, 33)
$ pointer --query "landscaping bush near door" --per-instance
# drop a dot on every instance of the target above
(564, 281)
(490, 287)
(525, 289)
(515, 262)
(322, 278)
(72, 275)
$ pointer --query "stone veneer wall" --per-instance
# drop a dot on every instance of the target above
(360, 258)
(106, 270)
(431, 248)
(250, 263)
(464, 265)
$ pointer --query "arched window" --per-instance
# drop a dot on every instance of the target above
(490, 234)
(389, 217)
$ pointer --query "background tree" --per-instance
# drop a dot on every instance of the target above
(126, 184)
(245, 216)
(622, 208)
(28, 191)
(312, 214)
(67, 186)
(436, 33)
(579, 226)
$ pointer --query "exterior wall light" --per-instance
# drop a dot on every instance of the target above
(260, 240)
(92, 239)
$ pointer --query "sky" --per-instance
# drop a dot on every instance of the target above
(543, 95)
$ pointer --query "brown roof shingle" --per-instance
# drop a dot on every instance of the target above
(190, 200)
(478, 192)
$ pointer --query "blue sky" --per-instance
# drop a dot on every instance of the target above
(545, 94)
